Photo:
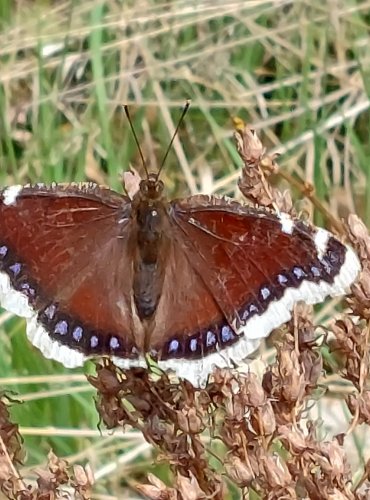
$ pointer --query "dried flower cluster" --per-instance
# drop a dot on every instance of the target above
(258, 166)
(352, 331)
(256, 427)
(56, 481)
(241, 431)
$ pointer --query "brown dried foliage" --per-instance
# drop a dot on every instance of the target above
(241, 429)
(56, 481)
(258, 434)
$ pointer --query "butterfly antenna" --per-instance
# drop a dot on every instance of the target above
(184, 111)
(125, 107)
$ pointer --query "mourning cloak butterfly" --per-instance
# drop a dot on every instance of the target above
(194, 282)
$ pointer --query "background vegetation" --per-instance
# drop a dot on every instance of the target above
(297, 71)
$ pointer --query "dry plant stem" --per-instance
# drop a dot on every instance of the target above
(52, 481)
(267, 446)
(308, 191)
(171, 417)
(12, 471)
(251, 418)
(363, 375)
(254, 184)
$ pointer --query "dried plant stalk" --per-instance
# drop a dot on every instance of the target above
(264, 444)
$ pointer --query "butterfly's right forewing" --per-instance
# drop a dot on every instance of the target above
(67, 250)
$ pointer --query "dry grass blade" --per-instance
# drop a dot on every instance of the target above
(298, 72)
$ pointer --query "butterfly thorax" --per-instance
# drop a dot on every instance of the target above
(150, 218)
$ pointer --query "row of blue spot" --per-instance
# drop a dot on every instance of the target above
(193, 344)
(226, 334)
(62, 328)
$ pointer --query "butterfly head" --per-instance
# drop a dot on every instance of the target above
(151, 188)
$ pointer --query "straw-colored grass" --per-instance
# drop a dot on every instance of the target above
(297, 71)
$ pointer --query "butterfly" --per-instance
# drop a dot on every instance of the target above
(194, 283)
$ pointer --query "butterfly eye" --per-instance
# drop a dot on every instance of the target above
(144, 188)
(159, 187)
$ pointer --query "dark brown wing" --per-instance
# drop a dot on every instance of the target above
(65, 248)
(237, 273)
(186, 305)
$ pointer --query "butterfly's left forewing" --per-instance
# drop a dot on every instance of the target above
(250, 258)
(256, 265)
